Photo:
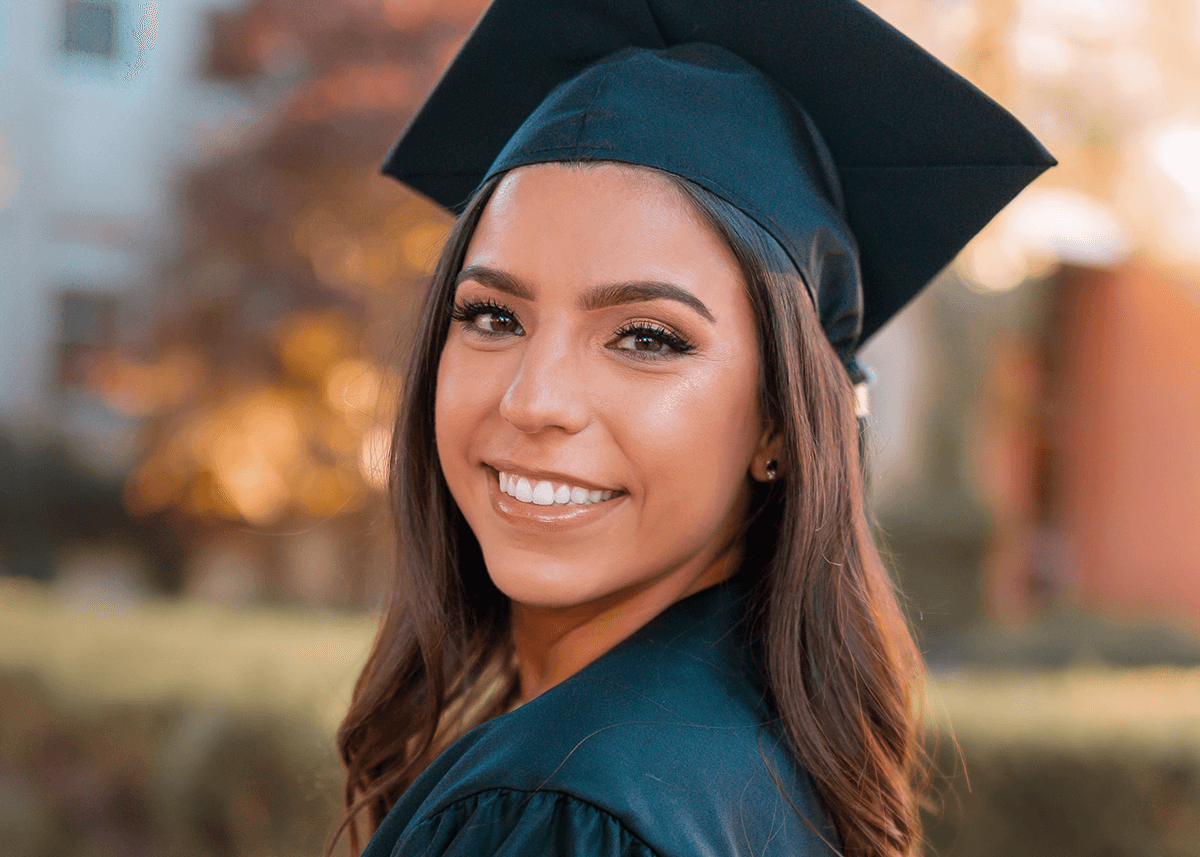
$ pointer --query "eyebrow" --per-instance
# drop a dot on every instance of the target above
(494, 279)
(597, 297)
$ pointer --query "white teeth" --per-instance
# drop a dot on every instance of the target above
(524, 491)
(544, 493)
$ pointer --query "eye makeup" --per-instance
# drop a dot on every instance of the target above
(677, 344)
(469, 312)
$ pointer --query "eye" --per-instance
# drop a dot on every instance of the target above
(488, 318)
(649, 340)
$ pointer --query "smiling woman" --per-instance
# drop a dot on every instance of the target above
(633, 374)
(638, 610)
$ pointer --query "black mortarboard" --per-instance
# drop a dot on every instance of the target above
(808, 115)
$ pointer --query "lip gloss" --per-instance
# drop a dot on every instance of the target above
(555, 517)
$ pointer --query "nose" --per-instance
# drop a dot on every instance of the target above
(547, 391)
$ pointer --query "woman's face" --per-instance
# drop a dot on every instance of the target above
(597, 405)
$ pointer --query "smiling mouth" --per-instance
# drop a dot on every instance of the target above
(544, 492)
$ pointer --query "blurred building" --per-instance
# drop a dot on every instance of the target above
(101, 103)
(1037, 410)
(1092, 451)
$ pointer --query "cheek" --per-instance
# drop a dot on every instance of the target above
(694, 442)
(447, 403)
(463, 399)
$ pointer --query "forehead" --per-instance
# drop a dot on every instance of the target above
(561, 225)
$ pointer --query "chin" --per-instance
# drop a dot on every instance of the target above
(549, 583)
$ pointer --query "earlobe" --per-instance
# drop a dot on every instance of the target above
(766, 465)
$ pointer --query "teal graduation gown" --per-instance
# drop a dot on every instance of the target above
(662, 747)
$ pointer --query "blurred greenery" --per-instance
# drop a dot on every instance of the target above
(1037, 800)
(157, 776)
(50, 501)
(175, 727)
(169, 727)
(274, 662)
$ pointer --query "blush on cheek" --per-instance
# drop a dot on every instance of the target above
(694, 449)
(458, 409)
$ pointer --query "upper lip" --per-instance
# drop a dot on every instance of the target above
(533, 473)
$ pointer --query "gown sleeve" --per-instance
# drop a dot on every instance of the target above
(513, 823)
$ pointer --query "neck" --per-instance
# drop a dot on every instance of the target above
(554, 643)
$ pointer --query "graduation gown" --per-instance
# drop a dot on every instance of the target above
(662, 747)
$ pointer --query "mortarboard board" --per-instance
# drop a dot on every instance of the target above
(871, 162)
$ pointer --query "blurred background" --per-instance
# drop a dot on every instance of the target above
(203, 284)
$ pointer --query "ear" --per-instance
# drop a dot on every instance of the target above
(769, 449)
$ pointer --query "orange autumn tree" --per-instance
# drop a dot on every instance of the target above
(267, 384)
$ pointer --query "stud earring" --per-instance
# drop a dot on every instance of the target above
(772, 469)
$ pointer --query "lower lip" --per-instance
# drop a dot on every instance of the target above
(546, 517)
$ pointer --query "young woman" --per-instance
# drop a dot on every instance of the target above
(638, 609)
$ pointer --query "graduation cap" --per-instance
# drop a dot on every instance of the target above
(867, 159)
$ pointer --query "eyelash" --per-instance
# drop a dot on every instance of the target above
(467, 311)
(672, 340)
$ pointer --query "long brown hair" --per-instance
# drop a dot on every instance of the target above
(840, 663)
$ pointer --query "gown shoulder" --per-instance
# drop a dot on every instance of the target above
(666, 746)
(502, 822)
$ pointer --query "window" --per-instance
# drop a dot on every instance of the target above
(87, 332)
(90, 28)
